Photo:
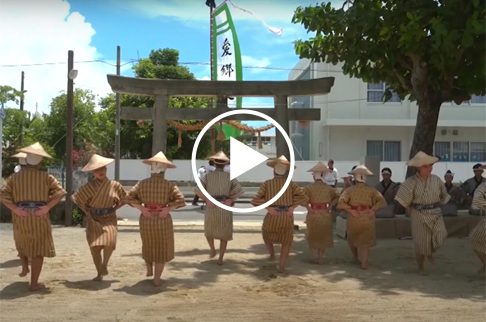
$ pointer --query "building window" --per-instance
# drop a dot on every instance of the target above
(376, 91)
(478, 99)
(386, 150)
(461, 151)
(266, 140)
(443, 151)
(478, 151)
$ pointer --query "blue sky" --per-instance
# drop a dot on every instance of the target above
(93, 29)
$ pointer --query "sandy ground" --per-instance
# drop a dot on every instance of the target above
(247, 287)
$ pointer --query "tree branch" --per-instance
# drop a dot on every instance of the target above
(406, 83)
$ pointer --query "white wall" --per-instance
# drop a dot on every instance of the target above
(136, 170)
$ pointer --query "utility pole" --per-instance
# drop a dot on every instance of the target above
(117, 121)
(21, 131)
(68, 216)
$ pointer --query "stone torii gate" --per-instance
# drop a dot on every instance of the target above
(162, 89)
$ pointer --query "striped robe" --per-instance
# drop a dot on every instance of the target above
(320, 224)
(100, 230)
(279, 229)
(157, 234)
(32, 235)
(428, 227)
(218, 223)
(361, 230)
(478, 235)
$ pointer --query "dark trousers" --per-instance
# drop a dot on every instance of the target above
(196, 199)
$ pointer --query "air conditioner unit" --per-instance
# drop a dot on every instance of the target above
(444, 132)
(455, 132)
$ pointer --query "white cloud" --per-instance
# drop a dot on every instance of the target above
(205, 78)
(43, 32)
(248, 61)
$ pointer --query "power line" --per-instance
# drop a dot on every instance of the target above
(131, 61)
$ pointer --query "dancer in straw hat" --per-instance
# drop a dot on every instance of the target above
(99, 199)
(278, 225)
(30, 194)
(218, 223)
(361, 202)
(478, 235)
(423, 194)
(319, 220)
(156, 197)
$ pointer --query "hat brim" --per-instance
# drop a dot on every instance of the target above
(420, 162)
(150, 161)
(96, 166)
(35, 152)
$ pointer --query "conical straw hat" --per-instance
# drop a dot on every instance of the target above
(421, 159)
(35, 149)
(280, 160)
(319, 167)
(20, 155)
(97, 162)
(361, 169)
(220, 158)
(160, 158)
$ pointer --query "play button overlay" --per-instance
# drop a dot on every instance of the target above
(243, 158)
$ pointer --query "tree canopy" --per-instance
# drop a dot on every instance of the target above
(431, 51)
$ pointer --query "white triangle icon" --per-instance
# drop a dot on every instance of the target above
(243, 158)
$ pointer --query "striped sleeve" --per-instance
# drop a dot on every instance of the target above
(204, 184)
(479, 199)
(133, 197)
(6, 193)
(55, 188)
(176, 198)
(343, 203)
(120, 193)
(81, 196)
(444, 195)
(236, 189)
(405, 193)
(378, 200)
(298, 195)
(260, 199)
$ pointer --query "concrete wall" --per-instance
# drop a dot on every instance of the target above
(136, 170)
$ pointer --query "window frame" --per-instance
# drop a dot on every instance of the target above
(382, 91)
(382, 157)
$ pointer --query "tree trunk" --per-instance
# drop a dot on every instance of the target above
(425, 129)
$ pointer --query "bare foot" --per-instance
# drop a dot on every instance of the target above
(431, 259)
(272, 257)
(150, 273)
(282, 270)
(24, 272)
(219, 262)
(422, 272)
(364, 266)
(37, 287)
(98, 278)
(212, 253)
(157, 283)
(104, 270)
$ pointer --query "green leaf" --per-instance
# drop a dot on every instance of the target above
(409, 15)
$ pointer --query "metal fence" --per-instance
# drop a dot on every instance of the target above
(59, 173)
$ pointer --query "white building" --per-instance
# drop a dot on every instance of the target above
(355, 122)
(269, 145)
